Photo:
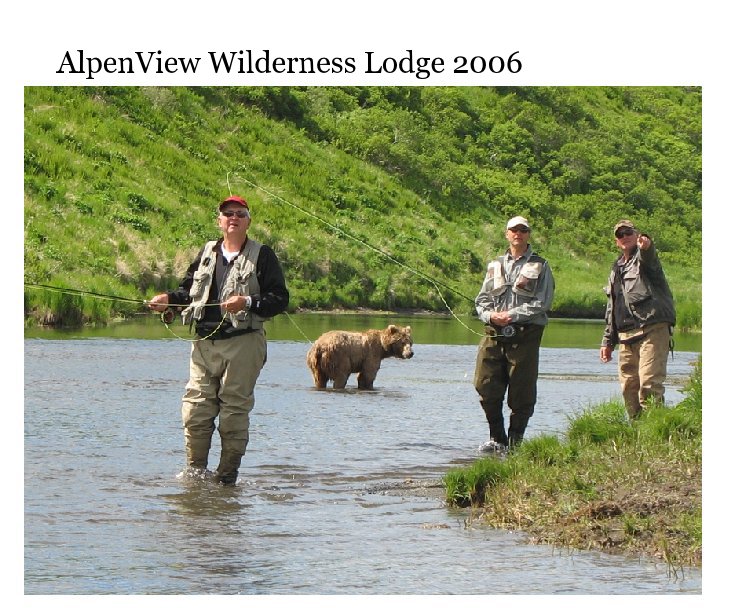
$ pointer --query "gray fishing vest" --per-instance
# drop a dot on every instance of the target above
(240, 280)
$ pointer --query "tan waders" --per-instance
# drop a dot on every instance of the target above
(508, 365)
(221, 384)
(643, 367)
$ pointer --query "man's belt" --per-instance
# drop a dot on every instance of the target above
(509, 333)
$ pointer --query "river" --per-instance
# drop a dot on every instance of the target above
(316, 510)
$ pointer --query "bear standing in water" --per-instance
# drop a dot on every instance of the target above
(337, 354)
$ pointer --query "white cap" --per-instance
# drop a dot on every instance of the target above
(518, 221)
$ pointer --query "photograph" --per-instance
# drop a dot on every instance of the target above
(353, 315)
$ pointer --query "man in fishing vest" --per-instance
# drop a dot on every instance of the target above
(513, 303)
(640, 316)
(232, 287)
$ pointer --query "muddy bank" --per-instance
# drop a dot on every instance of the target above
(423, 488)
(604, 525)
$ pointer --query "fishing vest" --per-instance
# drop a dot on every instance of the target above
(524, 285)
(240, 280)
(646, 296)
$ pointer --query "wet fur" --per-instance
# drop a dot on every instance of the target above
(337, 354)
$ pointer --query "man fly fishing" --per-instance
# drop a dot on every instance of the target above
(232, 287)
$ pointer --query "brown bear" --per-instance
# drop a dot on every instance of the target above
(337, 354)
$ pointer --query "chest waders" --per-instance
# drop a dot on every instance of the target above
(223, 372)
(509, 365)
(507, 360)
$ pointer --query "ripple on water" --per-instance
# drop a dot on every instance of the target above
(338, 492)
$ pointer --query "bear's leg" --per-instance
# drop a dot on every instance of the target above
(340, 381)
(365, 381)
(319, 379)
(368, 374)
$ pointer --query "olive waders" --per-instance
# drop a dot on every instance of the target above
(508, 365)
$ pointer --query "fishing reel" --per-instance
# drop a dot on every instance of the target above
(168, 316)
(502, 333)
(509, 331)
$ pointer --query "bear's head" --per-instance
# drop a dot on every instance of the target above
(398, 341)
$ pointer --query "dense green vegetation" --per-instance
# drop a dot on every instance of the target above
(374, 197)
(608, 484)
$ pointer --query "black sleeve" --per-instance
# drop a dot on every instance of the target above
(649, 260)
(274, 296)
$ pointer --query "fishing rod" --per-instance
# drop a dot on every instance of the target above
(81, 293)
(168, 315)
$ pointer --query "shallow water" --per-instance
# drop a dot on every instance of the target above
(313, 513)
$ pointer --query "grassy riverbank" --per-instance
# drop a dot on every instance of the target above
(609, 485)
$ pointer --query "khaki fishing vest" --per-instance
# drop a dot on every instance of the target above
(240, 280)
(525, 285)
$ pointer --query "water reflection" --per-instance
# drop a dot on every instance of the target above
(204, 499)
(307, 327)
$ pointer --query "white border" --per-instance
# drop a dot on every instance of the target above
(559, 43)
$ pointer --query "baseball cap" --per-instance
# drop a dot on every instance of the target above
(234, 200)
(624, 223)
(518, 221)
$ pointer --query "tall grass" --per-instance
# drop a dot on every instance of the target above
(465, 487)
(605, 422)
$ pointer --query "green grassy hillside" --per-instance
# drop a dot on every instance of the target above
(374, 197)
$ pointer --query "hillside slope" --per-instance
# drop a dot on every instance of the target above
(381, 198)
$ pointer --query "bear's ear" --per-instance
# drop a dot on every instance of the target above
(407, 329)
(392, 328)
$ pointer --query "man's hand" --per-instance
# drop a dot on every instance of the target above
(235, 304)
(605, 353)
(158, 303)
(500, 318)
(644, 242)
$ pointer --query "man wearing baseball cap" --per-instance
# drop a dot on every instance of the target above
(514, 301)
(640, 316)
(232, 287)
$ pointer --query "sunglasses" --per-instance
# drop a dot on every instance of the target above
(240, 214)
(520, 229)
(624, 232)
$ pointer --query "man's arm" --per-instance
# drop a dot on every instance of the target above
(273, 297)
